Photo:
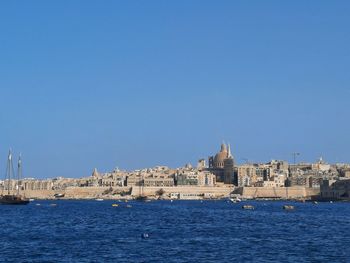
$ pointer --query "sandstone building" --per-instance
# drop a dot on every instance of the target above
(222, 165)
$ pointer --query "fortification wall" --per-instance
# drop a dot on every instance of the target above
(216, 191)
(223, 191)
(278, 192)
(74, 193)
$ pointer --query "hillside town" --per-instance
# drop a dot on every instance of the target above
(219, 178)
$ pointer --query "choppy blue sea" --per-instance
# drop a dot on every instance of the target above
(181, 231)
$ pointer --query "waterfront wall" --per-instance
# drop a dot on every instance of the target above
(278, 192)
(100, 192)
(76, 193)
(215, 191)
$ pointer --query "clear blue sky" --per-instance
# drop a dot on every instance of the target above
(134, 84)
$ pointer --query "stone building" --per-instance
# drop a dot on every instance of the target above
(31, 184)
(158, 182)
(194, 177)
(115, 178)
(246, 175)
(201, 165)
(311, 175)
(222, 165)
(335, 189)
(134, 180)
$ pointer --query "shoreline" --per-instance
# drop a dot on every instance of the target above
(176, 193)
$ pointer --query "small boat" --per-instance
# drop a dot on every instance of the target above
(58, 195)
(315, 202)
(235, 200)
(141, 198)
(128, 206)
(288, 207)
(99, 199)
(248, 207)
(145, 236)
(31, 200)
(115, 205)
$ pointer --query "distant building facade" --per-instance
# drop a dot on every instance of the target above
(222, 165)
(335, 189)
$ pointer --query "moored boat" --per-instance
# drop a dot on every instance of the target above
(13, 197)
(141, 198)
(235, 200)
(13, 200)
(59, 195)
(288, 207)
(248, 207)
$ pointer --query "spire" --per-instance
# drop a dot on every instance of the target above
(10, 155)
(95, 173)
(229, 155)
(20, 160)
(223, 147)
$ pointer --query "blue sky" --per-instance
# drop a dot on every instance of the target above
(134, 84)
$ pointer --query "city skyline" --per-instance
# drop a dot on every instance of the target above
(135, 85)
(237, 162)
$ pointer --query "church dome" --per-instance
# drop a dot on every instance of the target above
(220, 157)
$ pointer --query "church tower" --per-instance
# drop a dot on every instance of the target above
(229, 166)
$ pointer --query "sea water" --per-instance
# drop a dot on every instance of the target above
(179, 231)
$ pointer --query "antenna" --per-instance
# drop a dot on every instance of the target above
(295, 154)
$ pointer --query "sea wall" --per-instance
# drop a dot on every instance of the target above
(214, 191)
(77, 193)
(277, 192)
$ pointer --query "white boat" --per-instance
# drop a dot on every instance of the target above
(31, 200)
(99, 199)
(235, 200)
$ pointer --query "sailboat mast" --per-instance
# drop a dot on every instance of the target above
(19, 172)
(8, 171)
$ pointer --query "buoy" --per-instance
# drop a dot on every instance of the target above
(331, 202)
(144, 236)
(115, 205)
(288, 207)
(248, 207)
